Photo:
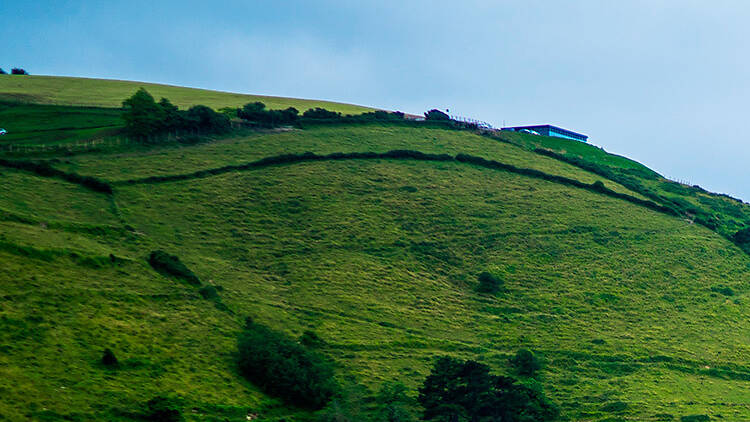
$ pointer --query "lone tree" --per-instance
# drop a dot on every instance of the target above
(142, 115)
(18, 71)
(436, 114)
(465, 390)
(488, 283)
(109, 359)
(526, 363)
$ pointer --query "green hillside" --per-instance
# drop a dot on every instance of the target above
(61, 90)
(635, 301)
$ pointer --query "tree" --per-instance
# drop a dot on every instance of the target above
(466, 391)
(393, 403)
(163, 409)
(255, 112)
(172, 118)
(108, 358)
(526, 363)
(320, 113)
(18, 71)
(2, 72)
(143, 117)
(282, 367)
(436, 114)
(488, 283)
(205, 119)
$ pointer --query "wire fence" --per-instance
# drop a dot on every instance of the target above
(104, 142)
(469, 120)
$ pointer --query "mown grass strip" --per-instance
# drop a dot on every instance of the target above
(45, 170)
(596, 187)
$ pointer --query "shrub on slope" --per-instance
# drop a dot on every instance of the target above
(284, 368)
(171, 265)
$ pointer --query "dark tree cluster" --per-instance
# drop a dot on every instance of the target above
(145, 117)
(14, 71)
(436, 114)
(258, 114)
(284, 368)
(466, 391)
(321, 113)
(488, 283)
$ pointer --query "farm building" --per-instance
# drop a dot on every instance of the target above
(549, 130)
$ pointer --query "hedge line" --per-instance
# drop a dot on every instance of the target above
(597, 187)
(678, 206)
(45, 170)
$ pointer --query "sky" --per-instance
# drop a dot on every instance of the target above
(663, 82)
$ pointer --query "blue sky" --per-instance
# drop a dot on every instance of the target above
(663, 82)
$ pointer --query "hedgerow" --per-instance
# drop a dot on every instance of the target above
(597, 187)
(45, 170)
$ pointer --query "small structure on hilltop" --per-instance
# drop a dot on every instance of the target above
(549, 130)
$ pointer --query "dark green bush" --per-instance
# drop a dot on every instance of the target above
(108, 358)
(393, 404)
(488, 283)
(742, 238)
(145, 117)
(18, 71)
(725, 290)
(205, 119)
(256, 113)
(465, 390)
(436, 114)
(525, 363)
(163, 409)
(172, 266)
(311, 339)
(320, 113)
(209, 292)
(282, 367)
(142, 115)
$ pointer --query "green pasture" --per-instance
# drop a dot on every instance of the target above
(636, 315)
(110, 93)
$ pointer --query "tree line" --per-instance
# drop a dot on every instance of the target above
(145, 117)
(14, 71)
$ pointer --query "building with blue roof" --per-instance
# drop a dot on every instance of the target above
(549, 130)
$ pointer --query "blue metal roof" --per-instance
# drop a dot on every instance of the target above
(549, 127)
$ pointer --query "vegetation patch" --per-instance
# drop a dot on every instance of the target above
(465, 390)
(284, 368)
(489, 283)
(171, 265)
(45, 170)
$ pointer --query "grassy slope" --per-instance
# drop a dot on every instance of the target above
(110, 93)
(380, 259)
(730, 213)
(54, 124)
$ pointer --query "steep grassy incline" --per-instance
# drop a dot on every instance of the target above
(628, 307)
(637, 314)
(722, 213)
(110, 93)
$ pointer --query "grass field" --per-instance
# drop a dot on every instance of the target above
(55, 124)
(637, 315)
(110, 93)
